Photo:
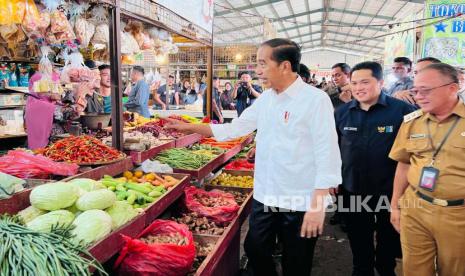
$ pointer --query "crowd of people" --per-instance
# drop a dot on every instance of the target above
(394, 154)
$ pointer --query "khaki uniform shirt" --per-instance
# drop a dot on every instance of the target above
(413, 146)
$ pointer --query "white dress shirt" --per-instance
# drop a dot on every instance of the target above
(297, 147)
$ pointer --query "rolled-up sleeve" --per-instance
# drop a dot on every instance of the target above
(327, 155)
(245, 124)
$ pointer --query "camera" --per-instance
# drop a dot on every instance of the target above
(244, 84)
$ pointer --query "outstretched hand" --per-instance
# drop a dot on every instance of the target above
(177, 125)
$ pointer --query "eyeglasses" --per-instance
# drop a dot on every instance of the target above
(426, 91)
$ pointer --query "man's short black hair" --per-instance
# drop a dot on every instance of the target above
(216, 78)
(103, 67)
(445, 70)
(244, 72)
(343, 66)
(90, 63)
(139, 69)
(375, 68)
(304, 72)
(404, 60)
(431, 59)
(285, 50)
(171, 76)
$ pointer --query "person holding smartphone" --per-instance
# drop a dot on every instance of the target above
(245, 93)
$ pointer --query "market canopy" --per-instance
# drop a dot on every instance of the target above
(346, 25)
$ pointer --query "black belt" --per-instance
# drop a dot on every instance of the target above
(440, 202)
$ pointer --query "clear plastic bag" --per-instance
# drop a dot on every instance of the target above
(84, 31)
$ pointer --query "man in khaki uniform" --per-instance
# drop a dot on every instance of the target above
(429, 188)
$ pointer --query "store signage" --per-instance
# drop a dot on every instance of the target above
(446, 39)
(199, 12)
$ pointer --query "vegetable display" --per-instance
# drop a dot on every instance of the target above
(224, 145)
(46, 222)
(199, 224)
(54, 196)
(240, 165)
(139, 192)
(189, 159)
(99, 199)
(81, 150)
(91, 226)
(229, 180)
(32, 253)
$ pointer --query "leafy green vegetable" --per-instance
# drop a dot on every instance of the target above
(91, 226)
(87, 184)
(54, 196)
(45, 222)
(121, 212)
(30, 213)
(100, 199)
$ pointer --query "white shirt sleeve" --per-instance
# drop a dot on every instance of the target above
(244, 125)
(327, 154)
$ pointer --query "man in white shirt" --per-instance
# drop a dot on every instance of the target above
(297, 160)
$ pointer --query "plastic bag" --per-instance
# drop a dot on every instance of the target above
(26, 165)
(31, 20)
(225, 212)
(45, 83)
(84, 31)
(10, 185)
(60, 27)
(75, 70)
(8, 31)
(101, 35)
(139, 258)
(129, 45)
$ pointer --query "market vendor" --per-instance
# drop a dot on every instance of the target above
(297, 160)
(138, 100)
(105, 87)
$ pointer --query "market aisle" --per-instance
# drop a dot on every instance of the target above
(332, 253)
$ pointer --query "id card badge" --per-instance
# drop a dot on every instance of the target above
(428, 178)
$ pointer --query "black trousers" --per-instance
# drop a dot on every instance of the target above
(265, 225)
(374, 242)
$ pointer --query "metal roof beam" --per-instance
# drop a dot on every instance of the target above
(247, 7)
(327, 48)
(273, 19)
(362, 14)
(414, 1)
(379, 29)
(352, 43)
(356, 37)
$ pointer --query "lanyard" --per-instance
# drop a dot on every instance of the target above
(438, 149)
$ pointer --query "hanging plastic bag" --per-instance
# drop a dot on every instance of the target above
(31, 20)
(157, 259)
(101, 36)
(75, 70)
(218, 206)
(84, 31)
(44, 81)
(60, 26)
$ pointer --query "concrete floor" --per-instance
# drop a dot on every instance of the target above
(332, 252)
(333, 256)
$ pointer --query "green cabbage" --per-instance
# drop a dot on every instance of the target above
(121, 212)
(44, 223)
(100, 199)
(91, 226)
(53, 196)
(87, 184)
(73, 209)
(30, 213)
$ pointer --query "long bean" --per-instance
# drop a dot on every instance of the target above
(25, 252)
